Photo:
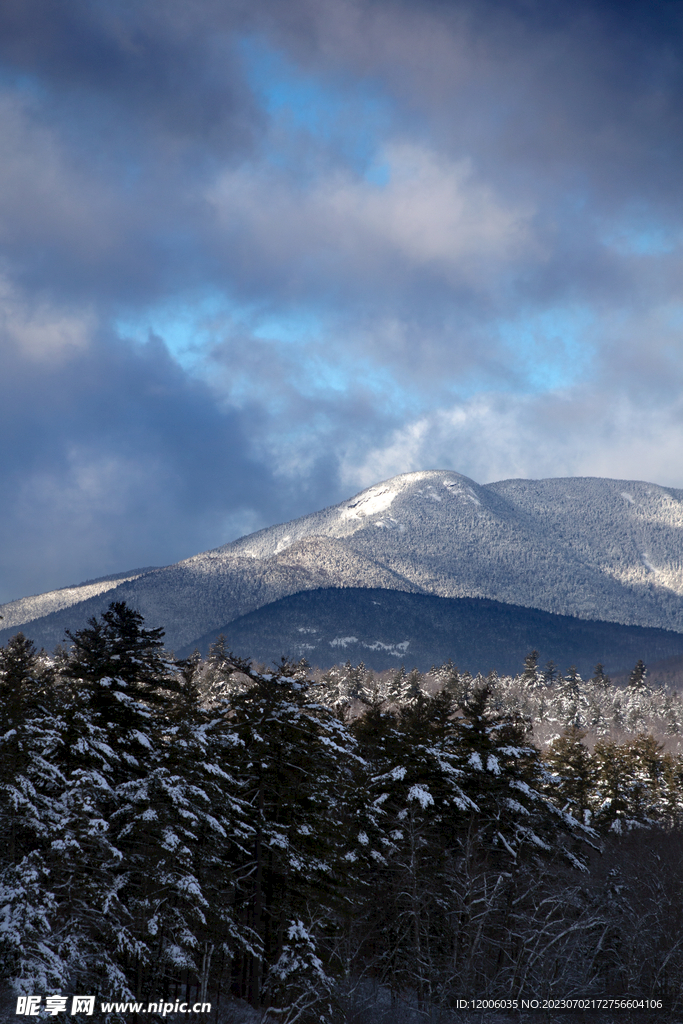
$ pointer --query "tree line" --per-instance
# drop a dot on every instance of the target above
(324, 849)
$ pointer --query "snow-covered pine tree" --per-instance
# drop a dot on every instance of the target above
(340, 688)
(530, 675)
(192, 806)
(30, 789)
(28, 738)
(572, 700)
(126, 814)
(419, 810)
(636, 680)
(549, 673)
(613, 786)
(506, 780)
(570, 760)
(124, 667)
(600, 679)
(297, 763)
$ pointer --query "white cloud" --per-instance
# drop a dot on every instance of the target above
(40, 330)
(433, 212)
(500, 436)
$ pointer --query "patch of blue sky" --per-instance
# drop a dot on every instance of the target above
(673, 316)
(350, 376)
(289, 327)
(316, 375)
(378, 174)
(192, 326)
(470, 382)
(22, 82)
(640, 234)
(644, 242)
(550, 350)
(320, 363)
(184, 326)
(305, 342)
(350, 118)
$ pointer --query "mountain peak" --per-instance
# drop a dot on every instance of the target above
(383, 505)
(587, 547)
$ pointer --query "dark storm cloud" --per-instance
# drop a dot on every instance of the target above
(475, 204)
(576, 103)
(166, 68)
(110, 457)
(114, 115)
(147, 113)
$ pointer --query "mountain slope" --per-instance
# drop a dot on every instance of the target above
(383, 628)
(27, 609)
(593, 548)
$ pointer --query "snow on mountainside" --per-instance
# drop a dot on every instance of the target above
(26, 609)
(589, 547)
(594, 548)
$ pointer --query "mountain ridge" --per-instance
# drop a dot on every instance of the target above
(590, 547)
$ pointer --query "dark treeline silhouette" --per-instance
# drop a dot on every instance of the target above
(203, 830)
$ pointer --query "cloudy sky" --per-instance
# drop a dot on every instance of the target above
(256, 255)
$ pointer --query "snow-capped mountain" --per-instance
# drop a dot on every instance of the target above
(588, 547)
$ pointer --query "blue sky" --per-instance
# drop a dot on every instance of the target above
(256, 256)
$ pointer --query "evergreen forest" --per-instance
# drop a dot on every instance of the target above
(324, 847)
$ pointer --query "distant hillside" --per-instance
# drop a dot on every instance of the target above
(608, 550)
(384, 628)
